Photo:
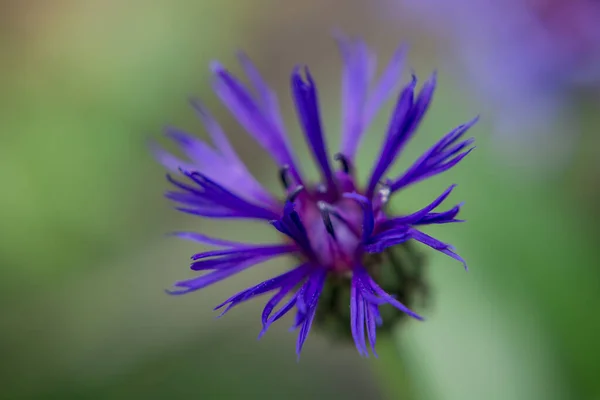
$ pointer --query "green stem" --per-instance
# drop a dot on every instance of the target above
(389, 370)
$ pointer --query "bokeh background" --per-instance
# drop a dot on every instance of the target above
(84, 260)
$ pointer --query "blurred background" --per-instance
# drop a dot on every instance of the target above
(83, 256)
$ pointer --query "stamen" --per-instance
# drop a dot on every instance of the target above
(343, 161)
(330, 209)
(284, 176)
(335, 212)
(325, 210)
(321, 188)
(384, 192)
(196, 175)
(292, 196)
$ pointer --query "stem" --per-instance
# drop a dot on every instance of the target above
(389, 370)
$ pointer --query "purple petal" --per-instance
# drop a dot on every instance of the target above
(358, 66)
(372, 315)
(406, 119)
(441, 157)
(359, 107)
(198, 237)
(385, 239)
(368, 216)
(361, 330)
(168, 160)
(203, 281)
(386, 85)
(213, 212)
(396, 134)
(194, 149)
(221, 164)
(214, 129)
(262, 123)
(419, 215)
(283, 310)
(208, 194)
(357, 317)
(291, 225)
(370, 285)
(246, 249)
(307, 107)
(441, 218)
(202, 205)
(267, 97)
(223, 258)
(299, 319)
(422, 102)
(437, 245)
(317, 281)
(294, 277)
(271, 304)
(313, 290)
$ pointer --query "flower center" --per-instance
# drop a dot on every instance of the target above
(333, 222)
(333, 229)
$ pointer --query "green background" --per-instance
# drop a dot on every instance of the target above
(84, 259)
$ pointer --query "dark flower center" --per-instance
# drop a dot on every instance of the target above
(333, 223)
(333, 229)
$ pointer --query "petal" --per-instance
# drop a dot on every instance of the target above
(358, 66)
(218, 259)
(316, 281)
(437, 245)
(291, 225)
(372, 315)
(389, 238)
(228, 262)
(198, 237)
(441, 157)
(368, 216)
(194, 149)
(262, 123)
(281, 312)
(168, 160)
(266, 97)
(386, 84)
(267, 320)
(419, 215)
(294, 277)
(203, 281)
(221, 164)
(214, 129)
(357, 317)
(396, 134)
(370, 285)
(444, 217)
(406, 119)
(307, 108)
(359, 105)
(225, 166)
(210, 199)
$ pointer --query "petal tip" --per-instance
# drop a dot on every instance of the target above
(216, 67)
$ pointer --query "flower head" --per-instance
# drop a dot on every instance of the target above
(336, 228)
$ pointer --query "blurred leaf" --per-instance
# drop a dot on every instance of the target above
(478, 345)
(84, 100)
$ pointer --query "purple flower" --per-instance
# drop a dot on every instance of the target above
(527, 59)
(335, 227)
